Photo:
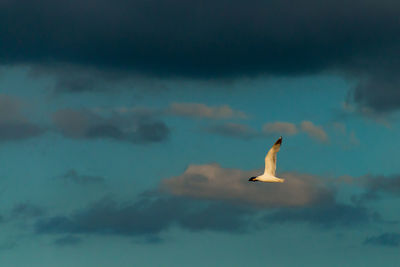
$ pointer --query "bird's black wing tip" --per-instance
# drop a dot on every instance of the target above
(279, 141)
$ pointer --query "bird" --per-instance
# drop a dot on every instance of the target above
(270, 166)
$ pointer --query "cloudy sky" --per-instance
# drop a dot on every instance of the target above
(129, 129)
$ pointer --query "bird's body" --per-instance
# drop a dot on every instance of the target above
(269, 179)
(270, 166)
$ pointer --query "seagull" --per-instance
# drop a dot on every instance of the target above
(270, 166)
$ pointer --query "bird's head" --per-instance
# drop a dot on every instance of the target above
(253, 179)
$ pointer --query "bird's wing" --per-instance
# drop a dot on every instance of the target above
(270, 159)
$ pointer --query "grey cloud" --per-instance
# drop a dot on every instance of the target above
(379, 94)
(149, 217)
(385, 239)
(15, 131)
(104, 130)
(14, 123)
(388, 184)
(146, 217)
(85, 124)
(376, 186)
(11, 109)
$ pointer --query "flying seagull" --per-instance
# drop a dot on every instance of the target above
(270, 166)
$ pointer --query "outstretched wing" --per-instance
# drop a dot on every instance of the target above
(270, 159)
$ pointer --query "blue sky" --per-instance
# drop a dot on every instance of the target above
(128, 132)
(38, 174)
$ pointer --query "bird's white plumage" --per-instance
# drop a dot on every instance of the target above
(270, 158)
(270, 165)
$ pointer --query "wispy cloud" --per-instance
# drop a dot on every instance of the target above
(243, 131)
(348, 109)
(347, 138)
(199, 110)
(314, 131)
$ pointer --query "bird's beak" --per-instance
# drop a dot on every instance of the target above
(252, 179)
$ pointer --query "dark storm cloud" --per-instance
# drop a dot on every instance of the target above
(380, 93)
(197, 38)
(85, 124)
(210, 39)
(385, 239)
(147, 217)
(14, 124)
(74, 177)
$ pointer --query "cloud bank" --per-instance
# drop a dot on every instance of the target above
(209, 198)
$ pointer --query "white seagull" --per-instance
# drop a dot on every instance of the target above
(270, 166)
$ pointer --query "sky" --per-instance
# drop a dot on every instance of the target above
(129, 130)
